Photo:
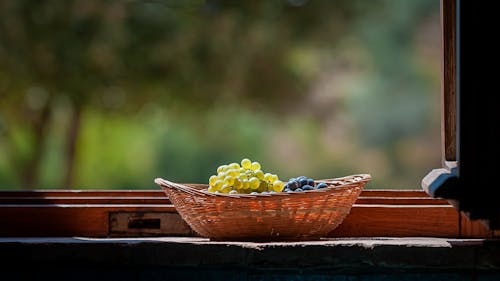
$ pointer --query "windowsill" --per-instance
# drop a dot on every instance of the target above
(376, 254)
(69, 213)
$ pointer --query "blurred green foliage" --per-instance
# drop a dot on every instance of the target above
(111, 94)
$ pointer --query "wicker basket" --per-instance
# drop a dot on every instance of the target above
(305, 215)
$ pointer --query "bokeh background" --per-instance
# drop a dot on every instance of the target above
(99, 94)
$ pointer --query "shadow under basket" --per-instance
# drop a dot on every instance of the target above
(283, 216)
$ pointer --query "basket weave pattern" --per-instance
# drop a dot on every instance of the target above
(279, 216)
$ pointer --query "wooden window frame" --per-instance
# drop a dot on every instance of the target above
(389, 213)
(470, 148)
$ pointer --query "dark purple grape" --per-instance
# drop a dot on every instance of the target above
(321, 185)
(298, 189)
(293, 185)
(307, 187)
(303, 182)
(310, 182)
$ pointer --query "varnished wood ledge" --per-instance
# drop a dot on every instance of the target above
(391, 213)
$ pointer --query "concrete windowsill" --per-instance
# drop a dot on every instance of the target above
(359, 254)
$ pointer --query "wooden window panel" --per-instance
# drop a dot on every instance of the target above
(90, 213)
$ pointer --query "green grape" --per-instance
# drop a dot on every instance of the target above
(274, 178)
(246, 177)
(221, 168)
(263, 186)
(225, 188)
(245, 184)
(268, 177)
(237, 183)
(255, 166)
(246, 163)
(278, 186)
(222, 174)
(212, 180)
(259, 174)
(254, 183)
(233, 172)
(218, 184)
(229, 180)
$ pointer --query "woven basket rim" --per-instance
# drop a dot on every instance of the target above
(190, 188)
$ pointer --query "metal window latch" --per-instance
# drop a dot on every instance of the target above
(147, 224)
(442, 183)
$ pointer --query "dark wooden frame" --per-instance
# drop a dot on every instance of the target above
(470, 149)
(448, 81)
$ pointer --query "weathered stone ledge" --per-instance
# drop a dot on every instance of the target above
(462, 258)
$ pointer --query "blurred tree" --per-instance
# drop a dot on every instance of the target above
(118, 56)
(88, 51)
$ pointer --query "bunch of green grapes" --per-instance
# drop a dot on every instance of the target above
(245, 178)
